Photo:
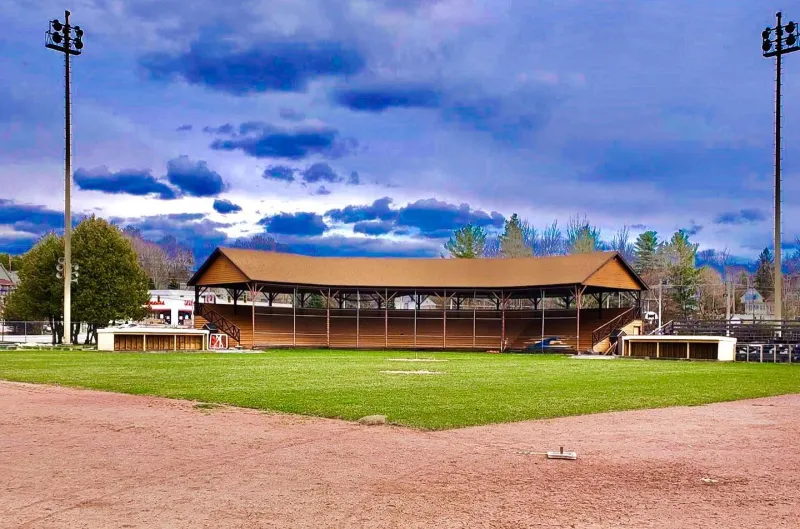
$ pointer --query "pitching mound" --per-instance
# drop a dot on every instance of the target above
(72, 458)
(419, 372)
(416, 360)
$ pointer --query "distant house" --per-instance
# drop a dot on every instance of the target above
(755, 307)
(8, 281)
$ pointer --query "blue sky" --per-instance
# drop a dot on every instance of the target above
(375, 127)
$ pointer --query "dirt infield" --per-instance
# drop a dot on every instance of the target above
(72, 458)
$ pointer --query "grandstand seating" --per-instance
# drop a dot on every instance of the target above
(277, 327)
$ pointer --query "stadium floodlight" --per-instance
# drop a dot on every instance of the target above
(776, 42)
(68, 40)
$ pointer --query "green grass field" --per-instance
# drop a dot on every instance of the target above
(473, 389)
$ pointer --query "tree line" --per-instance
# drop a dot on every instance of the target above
(668, 266)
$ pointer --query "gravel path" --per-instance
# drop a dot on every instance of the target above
(74, 458)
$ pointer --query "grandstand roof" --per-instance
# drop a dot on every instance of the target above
(602, 270)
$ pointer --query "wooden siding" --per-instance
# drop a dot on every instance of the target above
(613, 274)
(222, 272)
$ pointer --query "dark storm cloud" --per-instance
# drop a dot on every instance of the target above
(226, 206)
(194, 178)
(264, 141)
(384, 98)
(125, 182)
(279, 172)
(266, 67)
(301, 224)
(379, 210)
(743, 216)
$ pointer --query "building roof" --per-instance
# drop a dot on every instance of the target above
(605, 270)
(8, 278)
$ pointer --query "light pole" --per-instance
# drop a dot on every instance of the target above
(69, 41)
(775, 42)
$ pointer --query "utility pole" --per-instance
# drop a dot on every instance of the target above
(775, 43)
(66, 39)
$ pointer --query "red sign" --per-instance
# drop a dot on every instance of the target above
(159, 302)
(188, 303)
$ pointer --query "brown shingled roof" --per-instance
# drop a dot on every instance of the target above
(346, 272)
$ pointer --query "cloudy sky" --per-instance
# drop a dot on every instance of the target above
(375, 127)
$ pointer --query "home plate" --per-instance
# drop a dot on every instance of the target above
(420, 372)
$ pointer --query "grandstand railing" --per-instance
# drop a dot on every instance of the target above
(754, 332)
(605, 330)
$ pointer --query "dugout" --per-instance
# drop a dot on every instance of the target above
(140, 338)
(722, 348)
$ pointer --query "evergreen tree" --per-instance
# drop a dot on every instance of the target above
(683, 275)
(582, 237)
(645, 252)
(512, 241)
(764, 280)
(467, 242)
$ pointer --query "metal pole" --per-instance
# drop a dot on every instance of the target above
(778, 269)
(67, 189)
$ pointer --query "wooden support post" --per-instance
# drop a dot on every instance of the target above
(687, 349)
(415, 319)
(444, 320)
(578, 300)
(175, 342)
(328, 317)
(502, 321)
(144, 342)
(541, 344)
(235, 299)
(294, 318)
(196, 300)
(358, 310)
(386, 320)
(658, 349)
(253, 315)
(474, 318)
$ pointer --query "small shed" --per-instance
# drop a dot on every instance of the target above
(140, 338)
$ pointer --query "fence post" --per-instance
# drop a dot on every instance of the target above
(25, 326)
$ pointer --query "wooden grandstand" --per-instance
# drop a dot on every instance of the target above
(533, 303)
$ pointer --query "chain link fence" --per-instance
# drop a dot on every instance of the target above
(34, 332)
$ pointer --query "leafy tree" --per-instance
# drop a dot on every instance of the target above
(512, 241)
(40, 294)
(683, 275)
(645, 250)
(111, 286)
(764, 280)
(467, 242)
(11, 262)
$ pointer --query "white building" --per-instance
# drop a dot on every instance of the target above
(174, 308)
(755, 307)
